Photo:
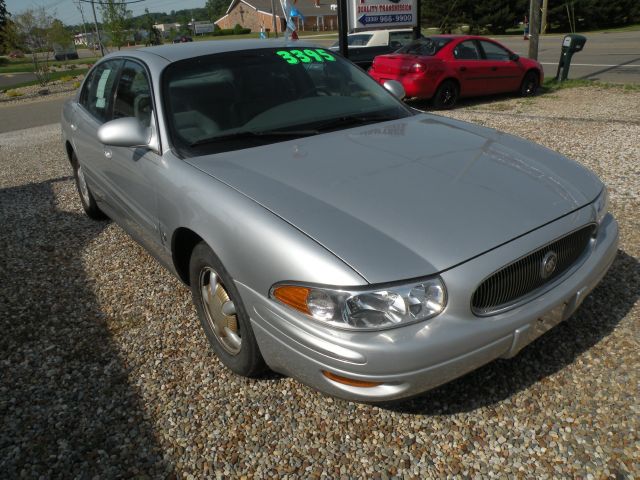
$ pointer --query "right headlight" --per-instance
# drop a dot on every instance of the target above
(601, 205)
(373, 309)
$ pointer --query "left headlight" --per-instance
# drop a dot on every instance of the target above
(601, 205)
(373, 309)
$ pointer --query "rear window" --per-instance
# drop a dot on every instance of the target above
(426, 46)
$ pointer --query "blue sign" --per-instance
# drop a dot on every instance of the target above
(382, 19)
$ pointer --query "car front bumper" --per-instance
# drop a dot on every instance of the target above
(412, 359)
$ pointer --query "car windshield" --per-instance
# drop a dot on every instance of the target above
(426, 46)
(241, 99)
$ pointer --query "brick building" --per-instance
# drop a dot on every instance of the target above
(254, 14)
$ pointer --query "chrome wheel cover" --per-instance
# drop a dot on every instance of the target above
(220, 311)
(82, 186)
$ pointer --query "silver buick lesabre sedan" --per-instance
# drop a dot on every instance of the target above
(326, 230)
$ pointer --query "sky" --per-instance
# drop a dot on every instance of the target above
(68, 12)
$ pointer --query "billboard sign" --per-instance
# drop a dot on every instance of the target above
(202, 27)
(376, 14)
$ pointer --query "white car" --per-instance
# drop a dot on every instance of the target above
(379, 38)
(365, 46)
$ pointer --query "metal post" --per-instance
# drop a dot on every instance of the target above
(530, 15)
(273, 16)
(343, 27)
(95, 22)
(543, 27)
(417, 30)
(534, 29)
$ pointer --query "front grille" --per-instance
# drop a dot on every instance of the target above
(524, 277)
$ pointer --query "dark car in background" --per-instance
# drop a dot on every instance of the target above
(445, 68)
(182, 39)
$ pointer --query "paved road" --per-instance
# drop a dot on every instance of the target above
(8, 79)
(608, 57)
(33, 114)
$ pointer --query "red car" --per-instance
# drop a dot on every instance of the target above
(447, 67)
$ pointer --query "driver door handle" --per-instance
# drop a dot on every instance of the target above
(463, 69)
(74, 127)
(107, 153)
(494, 68)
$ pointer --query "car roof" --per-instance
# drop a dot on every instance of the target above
(179, 51)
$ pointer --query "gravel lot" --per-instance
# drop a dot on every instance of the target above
(105, 372)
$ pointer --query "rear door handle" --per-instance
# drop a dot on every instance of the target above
(107, 153)
(463, 69)
(494, 68)
(74, 127)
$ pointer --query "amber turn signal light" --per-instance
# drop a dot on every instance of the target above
(294, 296)
(350, 381)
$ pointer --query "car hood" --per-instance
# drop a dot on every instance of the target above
(410, 197)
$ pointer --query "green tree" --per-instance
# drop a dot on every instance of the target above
(34, 28)
(9, 38)
(4, 22)
(58, 34)
(154, 37)
(594, 14)
(115, 19)
(216, 9)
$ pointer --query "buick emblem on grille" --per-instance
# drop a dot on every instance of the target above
(548, 264)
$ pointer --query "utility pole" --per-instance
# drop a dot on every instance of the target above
(543, 27)
(534, 29)
(95, 22)
(84, 22)
(273, 16)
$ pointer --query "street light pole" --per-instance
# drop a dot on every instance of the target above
(95, 22)
(343, 28)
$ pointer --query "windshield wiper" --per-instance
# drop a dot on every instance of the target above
(255, 134)
(349, 120)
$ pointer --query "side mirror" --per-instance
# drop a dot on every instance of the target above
(514, 57)
(395, 88)
(125, 132)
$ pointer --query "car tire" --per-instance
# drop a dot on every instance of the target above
(86, 197)
(222, 314)
(530, 84)
(446, 95)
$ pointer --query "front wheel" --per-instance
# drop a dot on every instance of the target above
(530, 84)
(222, 314)
(447, 95)
(86, 197)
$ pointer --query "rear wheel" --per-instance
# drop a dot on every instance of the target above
(447, 95)
(86, 197)
(222, 314)
(530, 84)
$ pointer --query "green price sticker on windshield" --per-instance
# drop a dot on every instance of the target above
(294, 56)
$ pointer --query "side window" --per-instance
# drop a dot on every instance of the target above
(133, 95)
(466, 50)
(400, 39)
(98, 92)
(493, 51)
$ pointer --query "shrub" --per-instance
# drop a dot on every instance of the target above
(237, 30)
(14, 93)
